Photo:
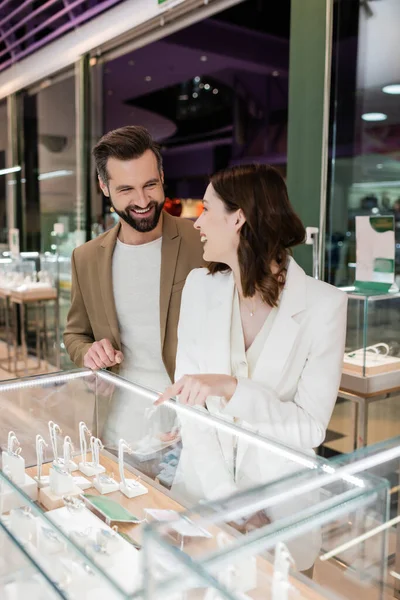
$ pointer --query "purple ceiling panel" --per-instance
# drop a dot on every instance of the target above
(29, 25)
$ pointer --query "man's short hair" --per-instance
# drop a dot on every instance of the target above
(125, 143)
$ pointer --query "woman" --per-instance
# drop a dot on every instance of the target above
(259, 341)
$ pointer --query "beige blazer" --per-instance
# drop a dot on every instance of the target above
(93, 316)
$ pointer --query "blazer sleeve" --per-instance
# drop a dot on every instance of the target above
(303, 422)
(78, 334)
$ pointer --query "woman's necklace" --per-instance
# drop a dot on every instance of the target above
(253, 309)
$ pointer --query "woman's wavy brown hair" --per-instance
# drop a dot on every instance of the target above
(271, 229)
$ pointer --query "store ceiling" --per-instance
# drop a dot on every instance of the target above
(27, 25)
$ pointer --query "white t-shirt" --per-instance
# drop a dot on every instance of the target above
(136, 285)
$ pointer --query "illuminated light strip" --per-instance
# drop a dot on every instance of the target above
(10, 170)
(53, 174)
(360, 539)
(377, 184)
(207, 417)
(33, 382)
(394, 574)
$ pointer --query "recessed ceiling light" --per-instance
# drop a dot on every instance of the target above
(215, 91)
(195, 95)
(203, 58)
(131, 63)
(148, 78)
(197, 79)
(207, 86)
(393, 88)
(380, 166)
(275, 73)
(374, 116)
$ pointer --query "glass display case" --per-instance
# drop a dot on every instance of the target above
(373, 336)
(95, 444)
(359, 542)
(335, 548)
(90, 454)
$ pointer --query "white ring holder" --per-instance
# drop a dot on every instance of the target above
(280, 580)
(41, 480)
(129, 487)
(104, 484)
(94, 467)
(12, 462)
(240, 577)
(13, 465)
(61, 480)
(54, 432)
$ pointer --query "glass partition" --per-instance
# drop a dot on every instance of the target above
(365, 120)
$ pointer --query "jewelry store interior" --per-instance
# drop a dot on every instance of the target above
(96, 479)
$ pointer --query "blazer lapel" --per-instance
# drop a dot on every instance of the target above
(285, 329)
(282, 337)
(218, 359)
(169, 255)
(104, 266)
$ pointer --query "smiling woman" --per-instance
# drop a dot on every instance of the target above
(259, 342)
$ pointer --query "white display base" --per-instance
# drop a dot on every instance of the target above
(89, 470)
(51, 501)
(61, 484)
(123, 561)
(82, 482)
(44, 481)
(14, 467)
(106, 488)
(375, 364)
(71, 467)
(9, 498)
(133, 488)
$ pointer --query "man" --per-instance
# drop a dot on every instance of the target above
(127, 283)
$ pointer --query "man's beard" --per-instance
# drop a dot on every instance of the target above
(142, 224)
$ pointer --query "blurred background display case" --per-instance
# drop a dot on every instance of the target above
(373, 339)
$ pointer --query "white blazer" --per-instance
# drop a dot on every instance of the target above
(290, 397)
(294, 387)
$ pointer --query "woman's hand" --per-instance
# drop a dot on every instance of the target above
(195, 389)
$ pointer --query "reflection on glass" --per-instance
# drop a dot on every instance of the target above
(56, 121)
(365, 170)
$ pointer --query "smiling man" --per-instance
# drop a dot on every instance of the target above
(127, 283)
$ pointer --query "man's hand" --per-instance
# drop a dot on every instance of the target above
(102, 355)
(195, 389)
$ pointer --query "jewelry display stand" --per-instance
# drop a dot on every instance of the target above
(104, 484)
(13, 466)
(41, 480)
(54, 432)
(94, 467)
(242, 576)
(376, 360)
(60, 479)
(129, 487)
(280, 580)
